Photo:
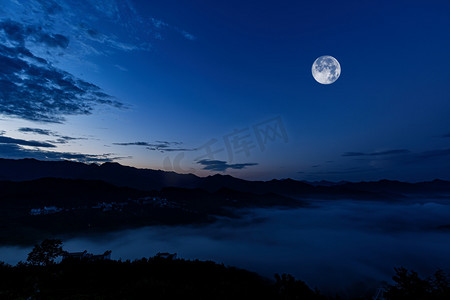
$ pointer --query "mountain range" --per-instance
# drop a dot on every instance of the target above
(40, 199)
(151, 180)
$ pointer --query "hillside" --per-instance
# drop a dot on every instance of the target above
(36, 209)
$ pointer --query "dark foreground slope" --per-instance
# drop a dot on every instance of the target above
(159, 278)
(153, 278)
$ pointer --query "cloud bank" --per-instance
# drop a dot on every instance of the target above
(36, 35)
(161, 146)
(31, 88)
(222, 166)
(16, 151)
(338, 246)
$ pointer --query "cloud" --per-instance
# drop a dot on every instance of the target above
(222, 166)
(32, 89)
(385, 164)
(408, 156)
(93, 27)
(46, 20)
(393, 162)
(162, 146)
(390, 152)
(15, 151)
(188, 36)
(158, 23)
(354, 154)
(446, 135)
(54, 40)
(433, 153)
(133, 144)
(18, 34)
(37, 131)
(36, 36)
(8, 140)
(123, 69)
(61, 139)
(402, 154)
(378, 153)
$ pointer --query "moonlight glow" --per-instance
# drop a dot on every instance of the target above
(326, 69)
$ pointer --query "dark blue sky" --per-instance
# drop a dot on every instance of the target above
(159, 84)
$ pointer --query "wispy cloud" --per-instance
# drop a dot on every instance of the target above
(119, 67)
(390, 152)
(354, 154)
(401, 155)
(36, 35)
(378, 153)
(160, 24)
(61, 139)
(93, 27)
(37, 131)
(31, 88)
(188, 36)
(162, 146)
(433, 154)
(222, 166)
(157, 23)
(15, 151)
(381, 164)
(9, 140)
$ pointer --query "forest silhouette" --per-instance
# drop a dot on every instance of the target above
(45, 276)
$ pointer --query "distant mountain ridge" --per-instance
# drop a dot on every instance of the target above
(148, 179)
(89, 198)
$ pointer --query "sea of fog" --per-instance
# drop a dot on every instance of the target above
(336, 246)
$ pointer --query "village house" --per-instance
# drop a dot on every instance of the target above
(45, 211)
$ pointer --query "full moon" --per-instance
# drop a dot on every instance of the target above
(326, 69)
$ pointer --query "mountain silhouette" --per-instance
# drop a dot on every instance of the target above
(149, 180)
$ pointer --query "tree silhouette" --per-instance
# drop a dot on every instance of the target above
(408, 285)
(441, 285)
(45, 253)
(288, 288)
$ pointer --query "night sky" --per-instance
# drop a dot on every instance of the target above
(225, 87)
